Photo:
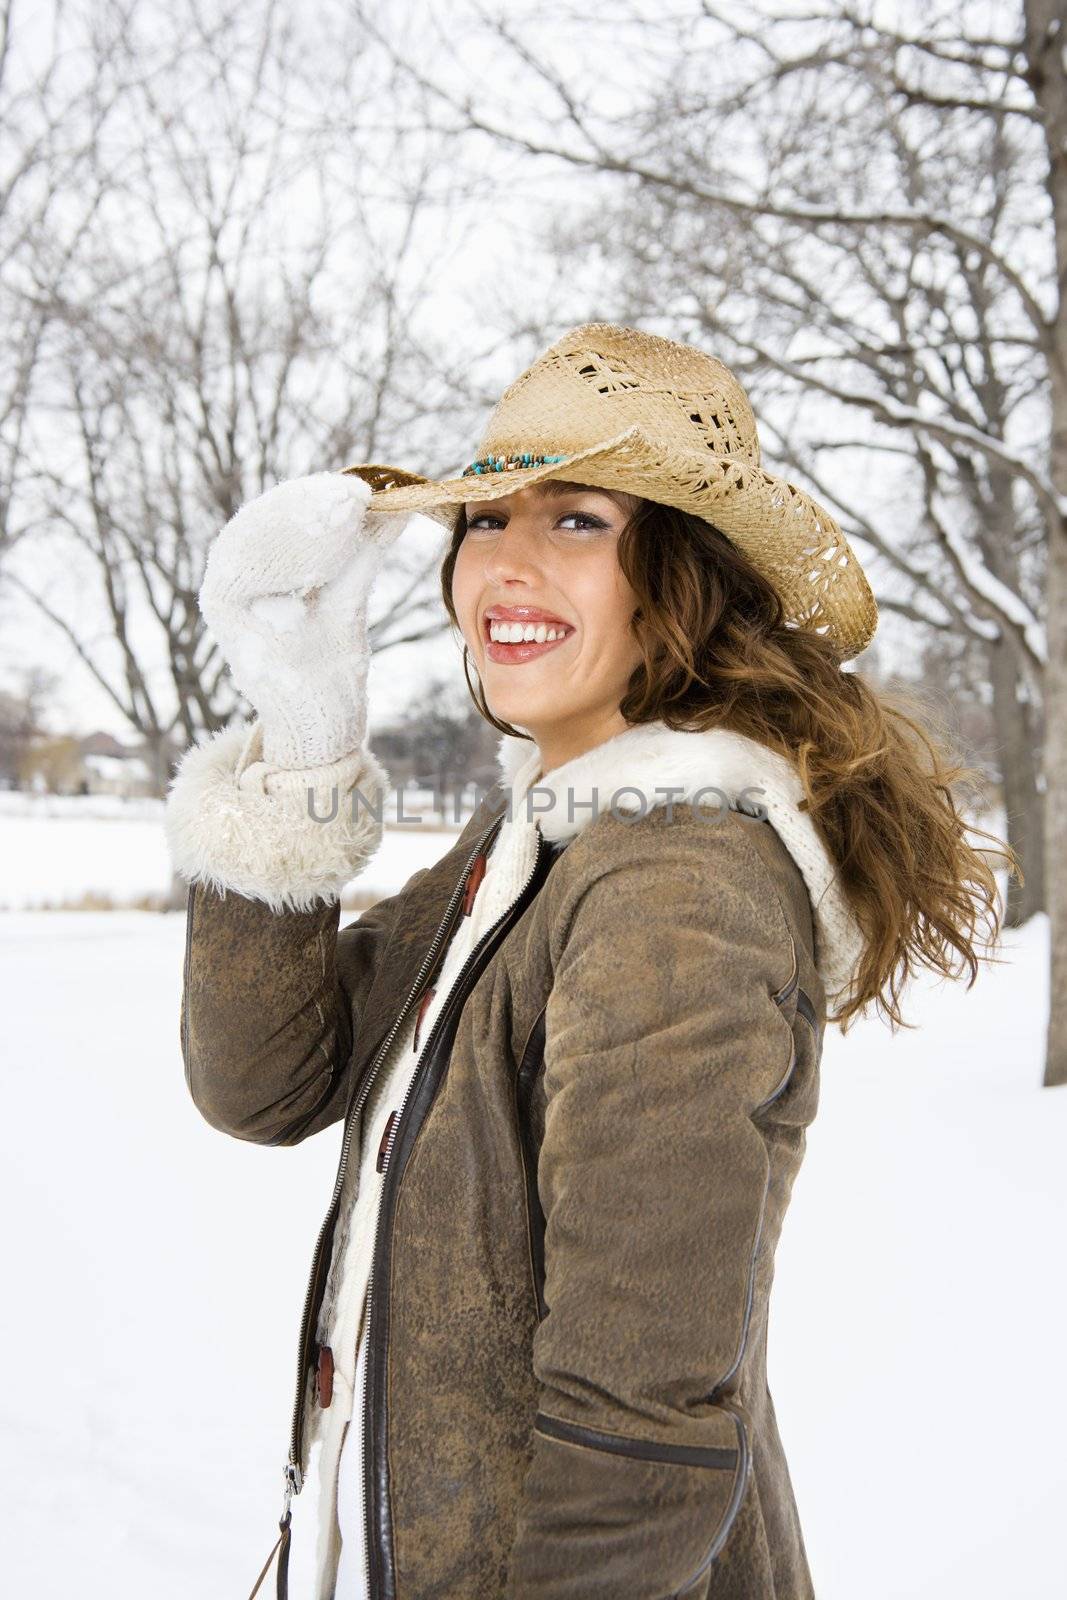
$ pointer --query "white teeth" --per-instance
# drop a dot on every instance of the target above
(524, 633)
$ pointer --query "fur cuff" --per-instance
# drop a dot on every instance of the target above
(233, 822)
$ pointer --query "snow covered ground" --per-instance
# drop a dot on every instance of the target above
(158, 1270)
(59, 851)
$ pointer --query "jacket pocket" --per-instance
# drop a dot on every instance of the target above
(641, 1449)
(667, 1510)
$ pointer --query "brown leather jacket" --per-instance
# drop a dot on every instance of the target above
(567, 1394)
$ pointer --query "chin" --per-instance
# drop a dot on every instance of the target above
(542, 700)
(519, 715)
(522, 711)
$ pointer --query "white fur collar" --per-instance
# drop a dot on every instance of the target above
(651, 757)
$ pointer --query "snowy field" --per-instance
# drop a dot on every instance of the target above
(69, 851)
(159, 1268)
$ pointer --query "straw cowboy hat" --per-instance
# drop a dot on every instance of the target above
(640, 413)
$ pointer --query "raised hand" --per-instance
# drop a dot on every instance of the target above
(285, 595)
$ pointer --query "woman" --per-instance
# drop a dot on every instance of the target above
(577, 1057)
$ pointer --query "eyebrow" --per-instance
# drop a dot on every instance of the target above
(556, 488)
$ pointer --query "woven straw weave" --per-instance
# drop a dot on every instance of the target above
(663, 420)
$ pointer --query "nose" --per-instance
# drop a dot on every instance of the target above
(512, 557)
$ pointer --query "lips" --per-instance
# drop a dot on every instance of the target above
(523, 614)
(525, 649)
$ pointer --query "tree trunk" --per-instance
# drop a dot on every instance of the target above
(1018, 758)
(1048, 78)
(1056, 765)
(1017, 725)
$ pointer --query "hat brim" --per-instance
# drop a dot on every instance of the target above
(395, 489)
(792, 539)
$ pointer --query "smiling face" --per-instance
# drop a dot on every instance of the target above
(543, 560)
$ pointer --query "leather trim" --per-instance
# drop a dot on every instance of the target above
(802, 1002)
(532, 1060)
(643, 1449)
(783, 994)
(807, 1011)
(777, 1093)
(716, 1394)
(730, 1514)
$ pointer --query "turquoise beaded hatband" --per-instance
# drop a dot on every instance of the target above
(525, 458)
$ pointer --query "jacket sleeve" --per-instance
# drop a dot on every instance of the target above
(662, 1039)
(273, 989)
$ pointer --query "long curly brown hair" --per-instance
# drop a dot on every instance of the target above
(879, 770)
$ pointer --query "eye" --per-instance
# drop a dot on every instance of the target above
(585, 519)
(584, 516)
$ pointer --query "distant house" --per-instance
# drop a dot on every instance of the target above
(110, 767)
(96, 764)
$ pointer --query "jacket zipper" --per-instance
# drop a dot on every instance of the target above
(294, 1478)
(443, 1017)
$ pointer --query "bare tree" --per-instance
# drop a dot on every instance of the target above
(232, 306)
(54, 119)
(451, 745)
(919, 325)
(869, 220)
(22, 724)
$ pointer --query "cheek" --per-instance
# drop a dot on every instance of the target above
(608, 603)
(464, 589)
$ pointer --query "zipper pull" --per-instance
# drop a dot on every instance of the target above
(474, 878)
(293, 1485)
(427, 997)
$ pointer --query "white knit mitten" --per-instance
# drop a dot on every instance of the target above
(284, 594)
